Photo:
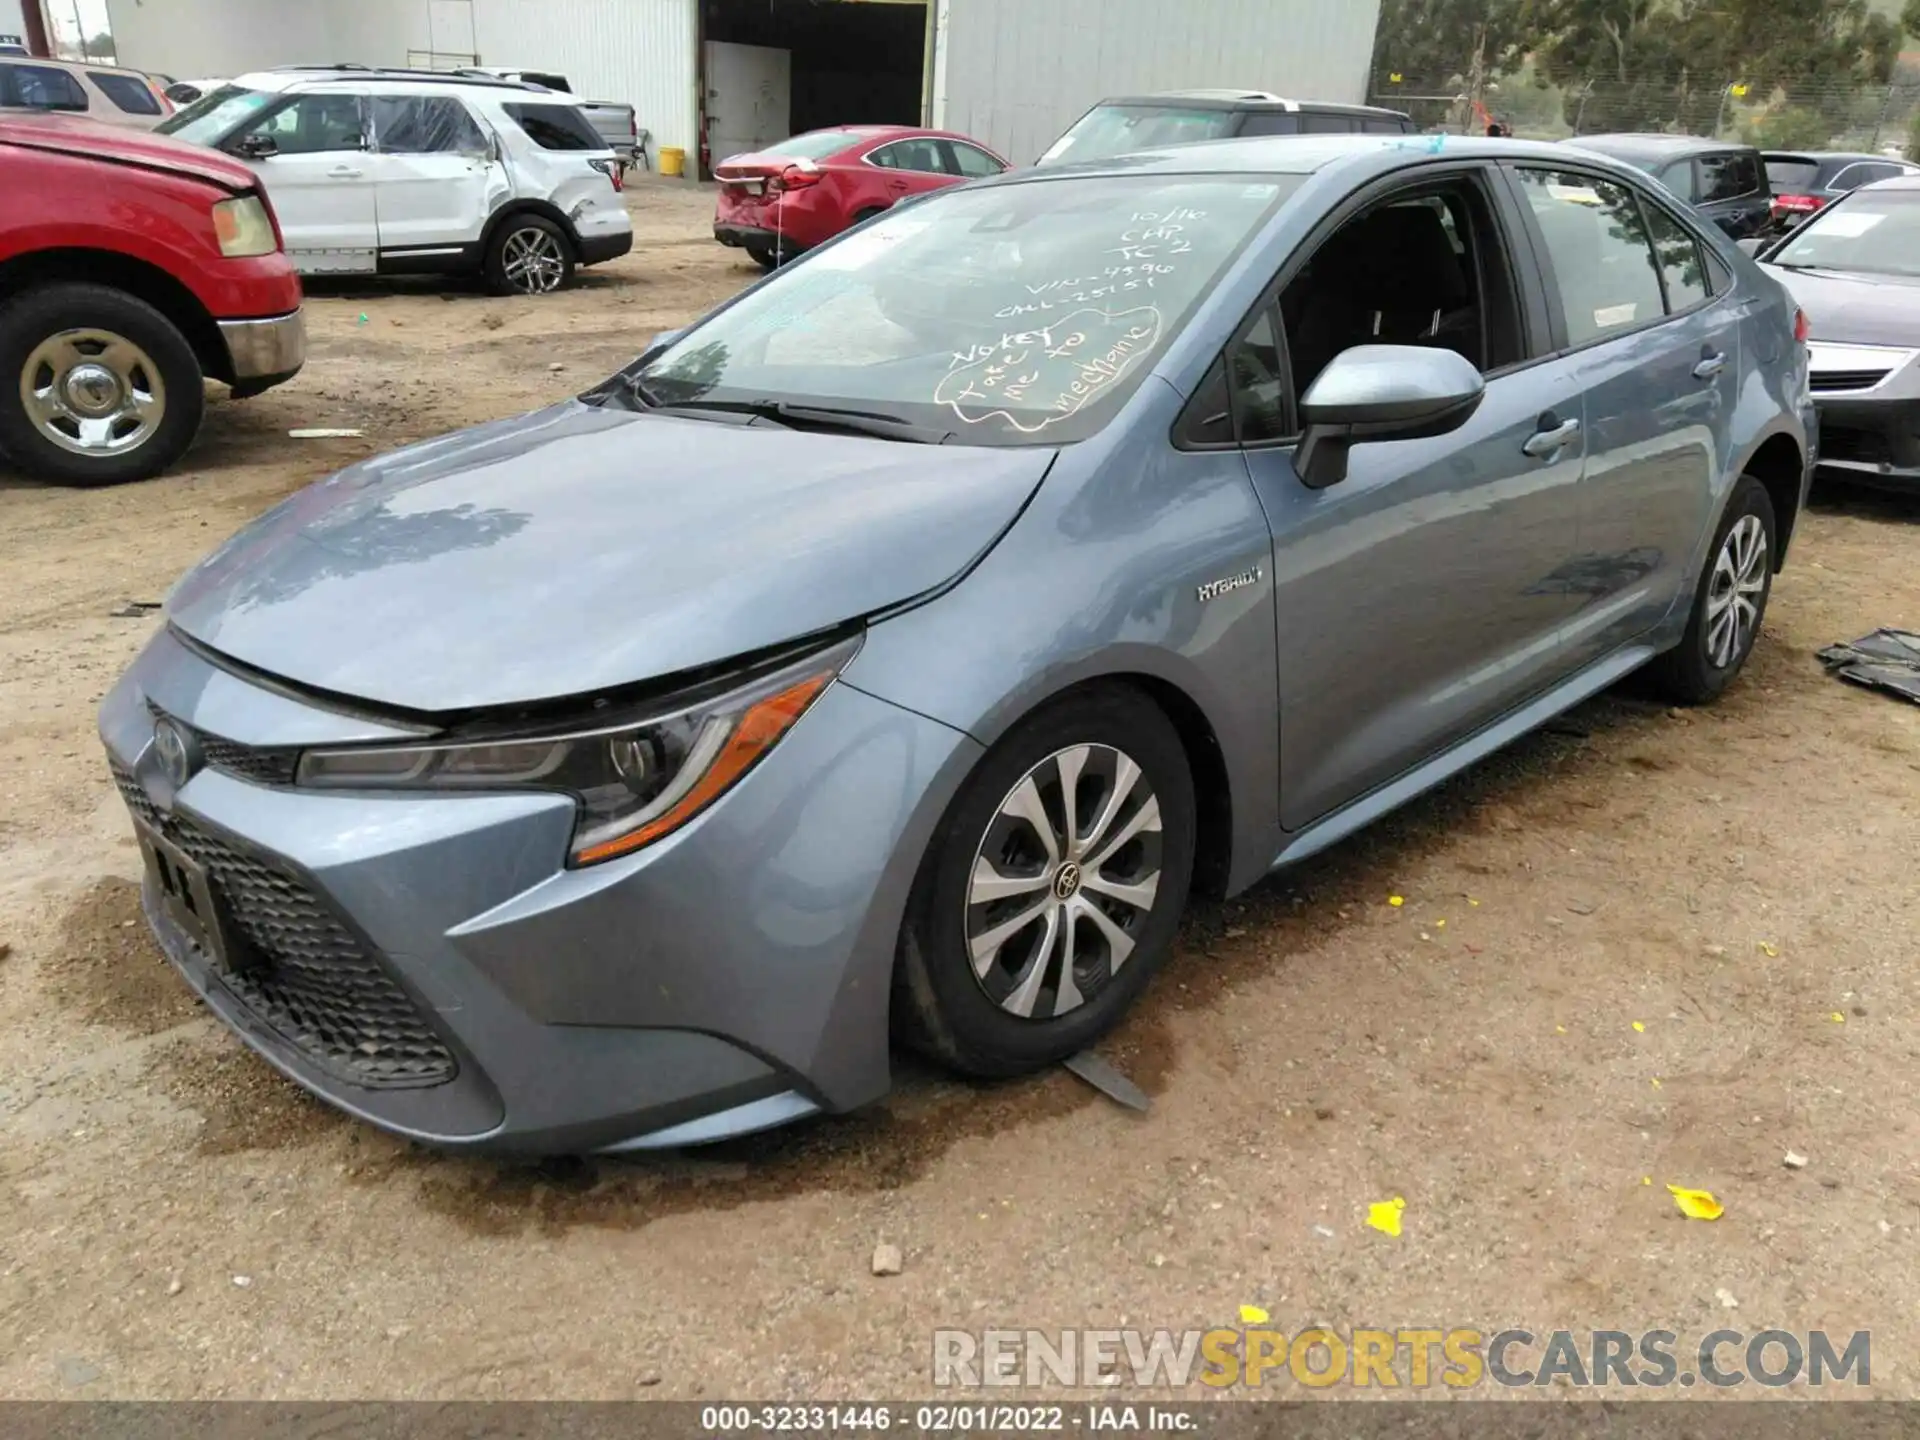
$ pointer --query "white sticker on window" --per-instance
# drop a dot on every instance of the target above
(1610, 315)
(1847, 224)
(1576, 194)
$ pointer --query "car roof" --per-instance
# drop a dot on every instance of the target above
(1664, 147)
(1258, 100)
(1301, 155)
(289, 77)
(105, 65)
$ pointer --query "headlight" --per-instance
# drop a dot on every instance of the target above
(244, 228)
(634, 782)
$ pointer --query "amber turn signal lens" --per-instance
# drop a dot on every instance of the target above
(759, 729)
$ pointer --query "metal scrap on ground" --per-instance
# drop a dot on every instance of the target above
(1886, 660)
(1107, 1080)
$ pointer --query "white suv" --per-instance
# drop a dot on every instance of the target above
(406, 172)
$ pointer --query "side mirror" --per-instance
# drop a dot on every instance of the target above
(1381, 392)
(257, 147)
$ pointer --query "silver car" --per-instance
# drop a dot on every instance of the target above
(891, 653)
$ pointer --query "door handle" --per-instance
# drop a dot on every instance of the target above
(1545, 444)
(1709, 366)
(343, 172)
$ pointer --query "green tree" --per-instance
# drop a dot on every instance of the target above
(1448, 48)
(1654, 64)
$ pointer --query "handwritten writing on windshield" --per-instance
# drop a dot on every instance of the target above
(1031, 379)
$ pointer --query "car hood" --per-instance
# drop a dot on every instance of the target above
(1855, 309)
(123, 145)
(579, 549)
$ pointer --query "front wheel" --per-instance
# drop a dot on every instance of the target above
(1053, 890)
(96, 386)
(1728, 606)
(529, 255)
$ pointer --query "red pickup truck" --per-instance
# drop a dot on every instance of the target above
(131, 268)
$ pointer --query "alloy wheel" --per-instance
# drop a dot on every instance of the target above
(1736, 592)
(93, 392)
(533, 262)
(1063, 881)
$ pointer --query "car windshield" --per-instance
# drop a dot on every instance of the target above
(208, 120)
(1871, 232)
(1792, 177)
(1109, 130)
(1015, 314)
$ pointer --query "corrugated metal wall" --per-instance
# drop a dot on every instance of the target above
(1016, 73)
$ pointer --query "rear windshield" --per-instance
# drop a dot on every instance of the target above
(556, 127)
(549, 82)
(815, 145)
(1109, 130)
(128, 93)
(1792, 177)
(211, 118)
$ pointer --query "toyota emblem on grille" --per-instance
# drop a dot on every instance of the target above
(175, 752)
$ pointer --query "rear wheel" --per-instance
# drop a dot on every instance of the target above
(529, 255)
(763, 256)
(1054, 889)
(1728, 606)
(96, 386)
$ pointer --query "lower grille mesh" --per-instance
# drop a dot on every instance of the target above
(314, 984)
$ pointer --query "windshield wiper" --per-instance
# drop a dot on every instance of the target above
(820, 417)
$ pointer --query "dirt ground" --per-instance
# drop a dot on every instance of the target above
(1643, 948)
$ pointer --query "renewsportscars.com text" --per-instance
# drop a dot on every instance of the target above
(1413, 1359)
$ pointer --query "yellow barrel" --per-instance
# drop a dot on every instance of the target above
(672, 159)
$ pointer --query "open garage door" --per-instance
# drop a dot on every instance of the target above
(774, 68)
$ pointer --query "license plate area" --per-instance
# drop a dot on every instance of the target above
(186, 895)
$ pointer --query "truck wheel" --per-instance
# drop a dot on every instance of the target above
(96, 386)
(528, 255)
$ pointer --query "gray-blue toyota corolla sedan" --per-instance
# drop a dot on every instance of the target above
(893, 651)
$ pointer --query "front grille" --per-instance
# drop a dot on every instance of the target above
(1831, 380)
(1863, 447)
(314, 984)
(262, 764)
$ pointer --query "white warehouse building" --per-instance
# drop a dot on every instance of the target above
(1013, 73)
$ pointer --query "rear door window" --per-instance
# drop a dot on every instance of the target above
(1682, 266)
(1382, 127)
(556, 127)
(1732, 176)
(424, 125)
(1266, 123)
(40, 87)
(918, 155)
(1597, 245)
(129, 94)
(1327, 125)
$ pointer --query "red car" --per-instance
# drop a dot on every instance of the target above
(131, 267)
(777, 202)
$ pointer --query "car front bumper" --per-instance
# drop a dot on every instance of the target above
(428, 964)
(1868, 398)
(264, 353)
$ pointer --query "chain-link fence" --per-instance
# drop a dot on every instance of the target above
(1866, 118)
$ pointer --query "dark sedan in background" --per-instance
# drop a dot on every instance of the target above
(1723, 181)
(1855, 269)
(1805, 181)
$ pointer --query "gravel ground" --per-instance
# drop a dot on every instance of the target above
(1644, 949)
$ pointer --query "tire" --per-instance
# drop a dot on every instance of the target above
(861, 217)
(973, 1022)
(1739, 578)
(528, 255)
(96, 386)
(763, 257)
